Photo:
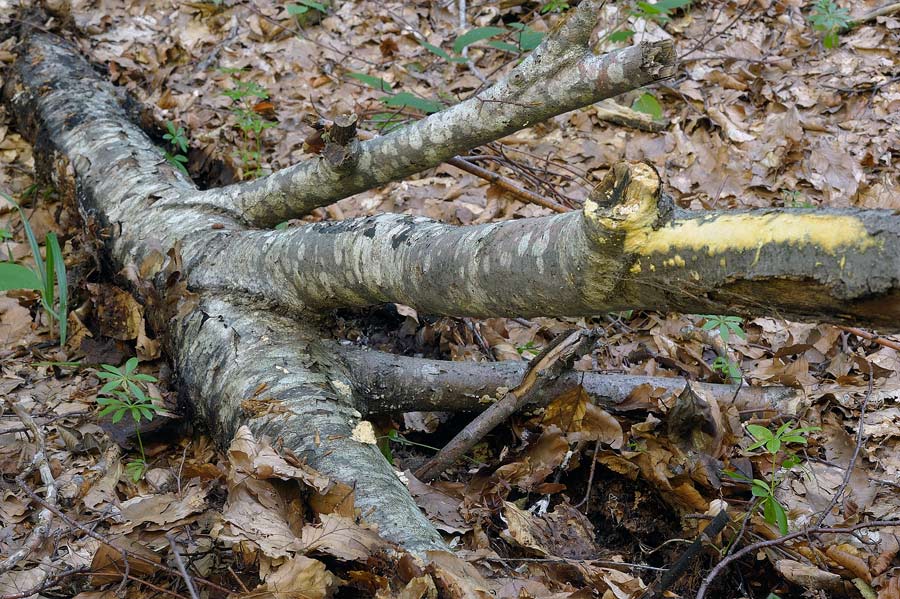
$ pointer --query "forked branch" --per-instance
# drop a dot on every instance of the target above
(560, 75)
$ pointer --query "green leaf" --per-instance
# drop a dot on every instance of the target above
(474, 36)
(130, 365)
(144, 377)
(780, 516)
(505, 46)
(407, 99)
(109, 409)
(648, 104)
(760, 488)
(528, 38)
(63, 285)
(670, 5)
(376, 82)
(118, 415)
(108, 387)
(304, 6)
(621, 36)
(769, 510)
(773, 445)
(137, 392)
(32, 240)
(16, 276)
(736, 475)
(650, 9)
(442, 53)
(831, 40)
(759, 432)
(111, 368)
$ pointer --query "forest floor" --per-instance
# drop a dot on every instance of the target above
(567, 501)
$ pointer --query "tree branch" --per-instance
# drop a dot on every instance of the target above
(628, 249)
(394, 384)
(560, 75)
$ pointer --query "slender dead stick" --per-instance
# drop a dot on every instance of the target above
(506, 184)
(180, 563)
(883, 11)
(860, 439)
(563, 348)
(678, 569)
(41, 527)
(704, 586)
(872, 337)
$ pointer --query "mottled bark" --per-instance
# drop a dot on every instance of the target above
(222, 350)
(627, 249)
(562, 74)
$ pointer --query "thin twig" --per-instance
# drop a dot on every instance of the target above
(238, 579)
(884, 342)
(95, 535)
(41, 528)
(506, 184)
(860, 438)
(180, 563)
(704, 586)
(47, 583)
(671, 576)
(562, 349)
(590, 484)
(883, 11)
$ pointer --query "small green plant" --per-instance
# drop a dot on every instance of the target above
(46, 277)
(304, 6)
(249, 121)
(528, 350)
(727, 369)
(179, 146)
(123, 394)
(726, 325)
(554, 6)
(648, 104)
(773, 443)
(830, 19)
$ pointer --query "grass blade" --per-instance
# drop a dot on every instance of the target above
(62, 283)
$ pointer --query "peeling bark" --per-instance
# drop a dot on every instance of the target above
(223, 351)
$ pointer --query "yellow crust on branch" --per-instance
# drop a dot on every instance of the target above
(724, 233)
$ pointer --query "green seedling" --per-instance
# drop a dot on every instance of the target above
(124, 394)
(726, 326)
(728, 369)
(773, 442)
(244, 96)
(829, 19)
(179, 146)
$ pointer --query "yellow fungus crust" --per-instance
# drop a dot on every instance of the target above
(726, 233)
